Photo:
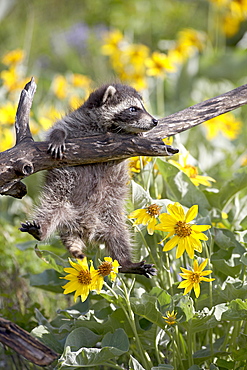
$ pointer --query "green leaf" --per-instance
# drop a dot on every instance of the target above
(134, 364)
(118, 339)
(140, 197)
(226, 239)
(233, 186)
(233, 289)
(42, 333)
(198, 323)
(163, 297)
(56, 262)
(225, 364)
(243, 259)
(81, 337)
(163, 367)
(237, 311)
(224, 262)
(206, 353)
(86, 357)
(187, 305)
(47, 280)
(146, 306)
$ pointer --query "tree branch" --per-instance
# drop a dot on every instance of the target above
(199, 113)
(28, 157)
(25, 344)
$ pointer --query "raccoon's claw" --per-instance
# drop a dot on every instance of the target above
(33, 228)
(56, 150)
(139, 268)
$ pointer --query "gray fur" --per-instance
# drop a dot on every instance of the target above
(85, 204)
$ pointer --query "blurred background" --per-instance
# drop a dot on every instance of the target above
(175, 52)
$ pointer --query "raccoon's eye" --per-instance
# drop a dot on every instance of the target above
(133, 109)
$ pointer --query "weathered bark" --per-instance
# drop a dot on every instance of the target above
(199, 113)
(28, 157)
(25, 344)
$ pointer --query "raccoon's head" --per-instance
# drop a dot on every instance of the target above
(120, 109)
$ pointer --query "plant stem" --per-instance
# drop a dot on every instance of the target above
(169, 273)
(190, 356)
(131, 318)
(178, 347)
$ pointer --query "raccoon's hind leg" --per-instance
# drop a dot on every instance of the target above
(117, 241)
(73, 243)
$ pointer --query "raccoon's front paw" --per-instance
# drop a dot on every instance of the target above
(56, 149)
(140, 268)
(33, 228)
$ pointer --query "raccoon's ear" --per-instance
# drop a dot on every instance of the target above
(110, 91)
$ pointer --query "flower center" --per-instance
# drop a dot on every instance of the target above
(191, 171)
(195, 277)
(182, 229)
(153, 210)
(84, 277)
(105, 268)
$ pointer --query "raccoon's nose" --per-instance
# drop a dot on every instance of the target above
(155, 121)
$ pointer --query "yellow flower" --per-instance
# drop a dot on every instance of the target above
(226, 124)
(191, 39)
(13, 57)
(191, 171)
(79, 80)
(159, 64)
(48, 115)
(186, 236)
(80, 279)
(11, 79)
(6, 138)
(168, 140)
(170, 317)
(194, 277)
(108, 267)
(7, 113)
(137, 163)
(146, 216)
(112, 42)
(60, 86)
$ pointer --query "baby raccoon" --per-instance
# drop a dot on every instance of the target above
(85, 204)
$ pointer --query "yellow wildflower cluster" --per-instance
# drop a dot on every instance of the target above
(12, 81)
(74, 87)
(12, 76)
(225, 124)
(232, 13)
(183, 234)
(134, 63)
(83, 279)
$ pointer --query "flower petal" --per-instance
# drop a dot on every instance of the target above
(151, 226)
(192, 213)
(171, 243)
(197, 289)
(177, 211)
(181, 248)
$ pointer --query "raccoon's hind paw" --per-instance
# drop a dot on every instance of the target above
(140, 268)
(33, 228)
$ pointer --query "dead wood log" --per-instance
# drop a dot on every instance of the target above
(25, 344)
(28, 156)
